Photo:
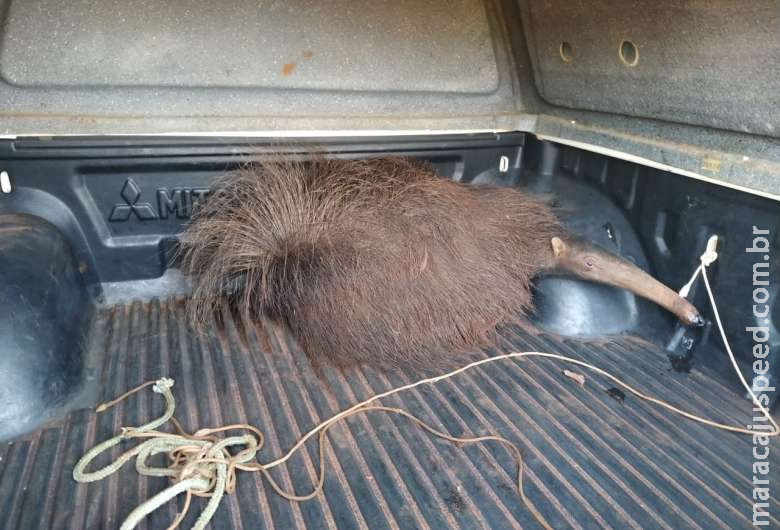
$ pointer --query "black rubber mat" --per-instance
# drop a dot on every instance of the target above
(592, 460)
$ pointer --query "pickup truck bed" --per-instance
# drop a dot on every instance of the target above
(592, 461)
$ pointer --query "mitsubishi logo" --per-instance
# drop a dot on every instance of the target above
(177, 202)
(131, 193)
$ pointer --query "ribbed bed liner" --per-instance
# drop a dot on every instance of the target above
(591, 461)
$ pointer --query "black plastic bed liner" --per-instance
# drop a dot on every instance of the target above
(592, 461)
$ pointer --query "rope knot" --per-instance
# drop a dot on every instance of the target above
(711, 253)
(707, 258)
(163, 384)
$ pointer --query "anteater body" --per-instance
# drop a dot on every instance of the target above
(376, 261)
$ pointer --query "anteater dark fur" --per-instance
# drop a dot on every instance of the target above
(377, 261)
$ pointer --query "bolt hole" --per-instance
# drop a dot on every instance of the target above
(629, 53)
(567, 52)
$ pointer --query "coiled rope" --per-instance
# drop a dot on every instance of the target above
(205, 464)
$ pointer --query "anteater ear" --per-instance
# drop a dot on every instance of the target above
(558, 246)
